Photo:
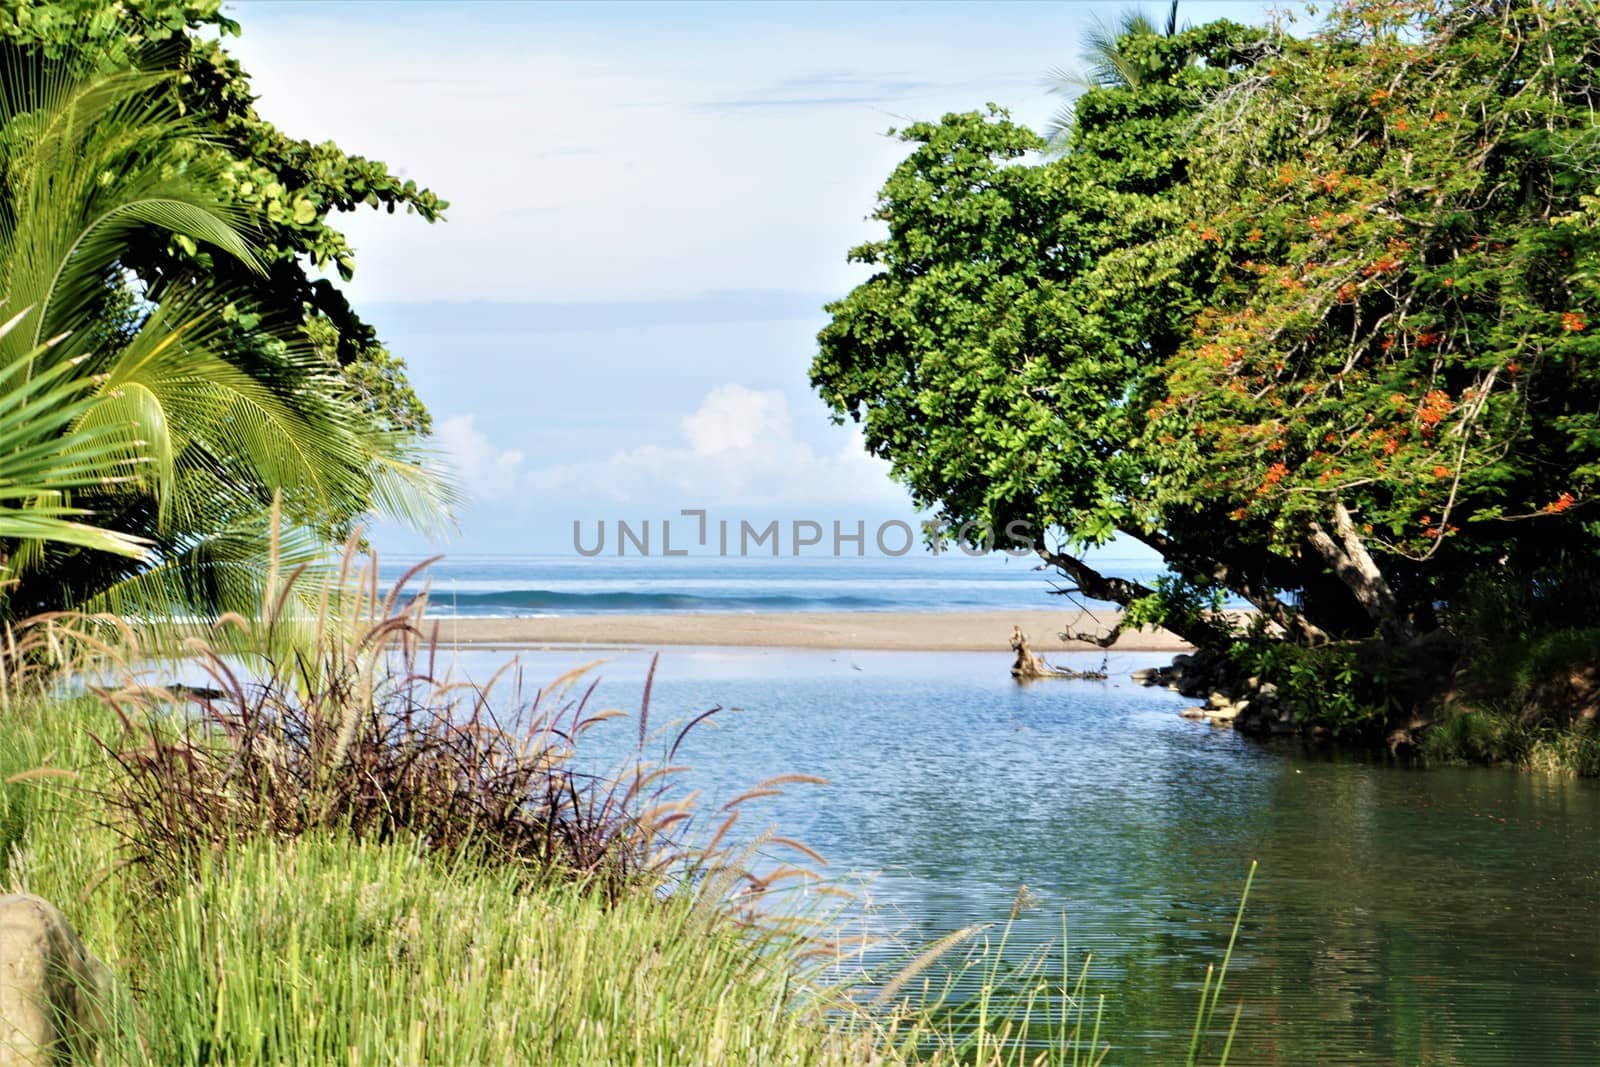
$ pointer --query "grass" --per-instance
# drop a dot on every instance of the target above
(346, 859)
(326, 948)
(330, 949)
(1494, 735)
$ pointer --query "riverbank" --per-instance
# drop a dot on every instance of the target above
(930, 631)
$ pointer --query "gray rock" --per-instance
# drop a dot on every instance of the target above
(51, 987)
(1146, 676)
(1267, 689)
(1193, 713)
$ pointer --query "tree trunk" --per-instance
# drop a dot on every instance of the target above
(1259, 596)
(1355, 567)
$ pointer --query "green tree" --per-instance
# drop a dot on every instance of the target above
(45, 457)
(1107, 62)
(1395, 374)
(285, 190)
(212, 406)
(1003, 355)
(1313, 319)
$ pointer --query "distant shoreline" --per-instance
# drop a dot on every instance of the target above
(924, 631)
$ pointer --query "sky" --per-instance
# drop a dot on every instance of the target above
(649, 206)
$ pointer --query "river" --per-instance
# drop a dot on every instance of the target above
(1399, 916)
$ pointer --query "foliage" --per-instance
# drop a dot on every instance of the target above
(1346, 689)
(285, 190)
(1311, 318)
(46, 456)
(358, 731)
(289, 951)
(208, 406)
(1106, 62)
(1405, 266)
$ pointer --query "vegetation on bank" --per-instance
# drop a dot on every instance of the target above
(354, 858)
(1316, 319)
(169, 367)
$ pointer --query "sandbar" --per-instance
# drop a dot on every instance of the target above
(928, 631)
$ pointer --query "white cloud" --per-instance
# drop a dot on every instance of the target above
(484, 471)
(739, 446)
(733, 418)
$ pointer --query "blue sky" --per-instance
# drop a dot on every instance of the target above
(649, 205)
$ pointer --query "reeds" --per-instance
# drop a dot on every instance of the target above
(333, 851)
(362, 731)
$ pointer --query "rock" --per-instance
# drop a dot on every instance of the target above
(51, 987)
(1146, 676)
(1218, 699)
(1193, 713)
(1227, 714)
(1268, 690)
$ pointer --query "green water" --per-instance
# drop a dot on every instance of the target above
(1399, 917)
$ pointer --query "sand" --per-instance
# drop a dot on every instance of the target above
(933, 631)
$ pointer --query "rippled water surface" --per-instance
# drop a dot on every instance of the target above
(1399, 916)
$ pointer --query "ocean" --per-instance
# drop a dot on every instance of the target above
(537, 585)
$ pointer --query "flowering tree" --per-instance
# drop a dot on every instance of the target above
(1317, 320)
(1395, 369)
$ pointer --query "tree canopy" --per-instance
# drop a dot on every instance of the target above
(171, 383)
(287, 190)
(1315, 319)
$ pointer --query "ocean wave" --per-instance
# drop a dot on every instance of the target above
(549, 602)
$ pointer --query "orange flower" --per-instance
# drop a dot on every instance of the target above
(1435, 406)
(1560, 504)
(1441, 472)
(1572, 322)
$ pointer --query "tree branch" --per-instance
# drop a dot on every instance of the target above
(1259, 596)
(1355, 567)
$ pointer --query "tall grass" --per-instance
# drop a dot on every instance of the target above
(338, 854)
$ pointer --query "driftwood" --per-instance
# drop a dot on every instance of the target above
(1029, 665)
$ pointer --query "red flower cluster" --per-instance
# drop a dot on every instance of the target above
(1435, 406)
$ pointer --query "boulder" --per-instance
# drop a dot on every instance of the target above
(1146, 676)
(51, 988)
(1193, 713)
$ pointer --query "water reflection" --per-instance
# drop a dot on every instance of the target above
(1442, 917)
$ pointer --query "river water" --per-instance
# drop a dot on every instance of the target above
(1399, 916)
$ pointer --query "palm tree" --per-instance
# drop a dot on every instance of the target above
(45, 457)
(203, 410)
(1107, 64)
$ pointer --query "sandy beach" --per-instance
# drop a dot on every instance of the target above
(933, 631)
